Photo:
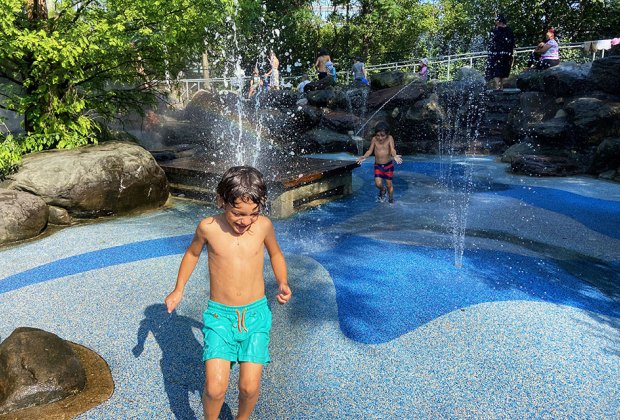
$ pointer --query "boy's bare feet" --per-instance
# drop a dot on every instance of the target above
(381, 197)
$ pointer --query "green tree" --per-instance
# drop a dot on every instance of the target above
(575, 20)
(254, 27)
(68, 69)
(379, 30)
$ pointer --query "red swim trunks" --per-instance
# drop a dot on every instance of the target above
(384, 170)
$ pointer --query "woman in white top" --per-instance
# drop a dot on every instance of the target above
(549, 51)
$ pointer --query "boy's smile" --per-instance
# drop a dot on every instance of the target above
(242, 215)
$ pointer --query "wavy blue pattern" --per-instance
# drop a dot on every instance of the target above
(94, 260)
(387, 289)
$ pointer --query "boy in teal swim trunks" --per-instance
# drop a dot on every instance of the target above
(382, 145)
(237, 320)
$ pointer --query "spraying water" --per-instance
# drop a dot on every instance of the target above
(383, 105)
(361, 101)
(458, 135)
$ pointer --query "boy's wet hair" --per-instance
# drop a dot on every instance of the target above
(382, 126)
(242, 182)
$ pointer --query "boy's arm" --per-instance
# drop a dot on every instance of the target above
(188, 263)
(396, 157)
(368, 153)
(278, 264)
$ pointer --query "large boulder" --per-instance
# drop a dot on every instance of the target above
(321, 98)
(207, 115)
(322, 140)
(538, 165)
(607, 157)
(517, 150)
(36, 368)
(393, 97)
(105, 179)
(604, 74)
(282, 98)
(207, 104)
(320, 84)
(22, 215)
(566, 79)
(537, 106)
(357, 98)
(417, 128)
(387, 79)
(531, 80)
(175, 133)
(531, 148)
(556, 132)
(469, 74)
(340, 121)
(594, 119)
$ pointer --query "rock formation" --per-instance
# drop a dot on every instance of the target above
(61, 185)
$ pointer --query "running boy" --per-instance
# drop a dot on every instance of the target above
(237, 320)
(382, 144)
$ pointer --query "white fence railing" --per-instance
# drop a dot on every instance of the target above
(441, 67)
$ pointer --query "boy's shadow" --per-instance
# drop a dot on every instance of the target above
(181, 363)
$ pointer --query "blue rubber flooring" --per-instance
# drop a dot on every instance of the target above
(476, 294)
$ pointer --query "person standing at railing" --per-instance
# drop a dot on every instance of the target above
(321, 63)
(500, 52)
(273, 74)
(423, 72)
(255, 83)
(359, 71)
(549, 51)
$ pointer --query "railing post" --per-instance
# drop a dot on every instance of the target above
(448, 78)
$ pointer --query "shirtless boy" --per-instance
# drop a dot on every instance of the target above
(382, 145)
(321, 63)
(237, 320)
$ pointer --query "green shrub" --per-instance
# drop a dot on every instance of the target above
(10, 155)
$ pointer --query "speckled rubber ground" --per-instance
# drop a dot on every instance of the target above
(382, 323)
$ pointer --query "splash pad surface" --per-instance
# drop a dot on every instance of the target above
(382, 323)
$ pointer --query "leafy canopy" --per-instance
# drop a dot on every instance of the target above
(69, 69)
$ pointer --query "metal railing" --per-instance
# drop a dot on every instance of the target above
(443, 67)
(440, 68)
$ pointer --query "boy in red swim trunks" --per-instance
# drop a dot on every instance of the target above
(382, 145)
(237, 321)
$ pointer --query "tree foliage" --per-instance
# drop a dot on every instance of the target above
(575, 20)
(379, 30)
(68, 69)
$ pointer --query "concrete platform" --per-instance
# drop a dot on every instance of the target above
(294, 184)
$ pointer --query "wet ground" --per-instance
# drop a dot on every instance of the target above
(476, 294)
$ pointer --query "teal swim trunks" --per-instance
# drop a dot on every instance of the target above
(237, 333)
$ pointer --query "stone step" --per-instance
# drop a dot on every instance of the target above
(193, 192)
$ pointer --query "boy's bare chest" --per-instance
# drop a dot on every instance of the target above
(236, 247)
(382, 147)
